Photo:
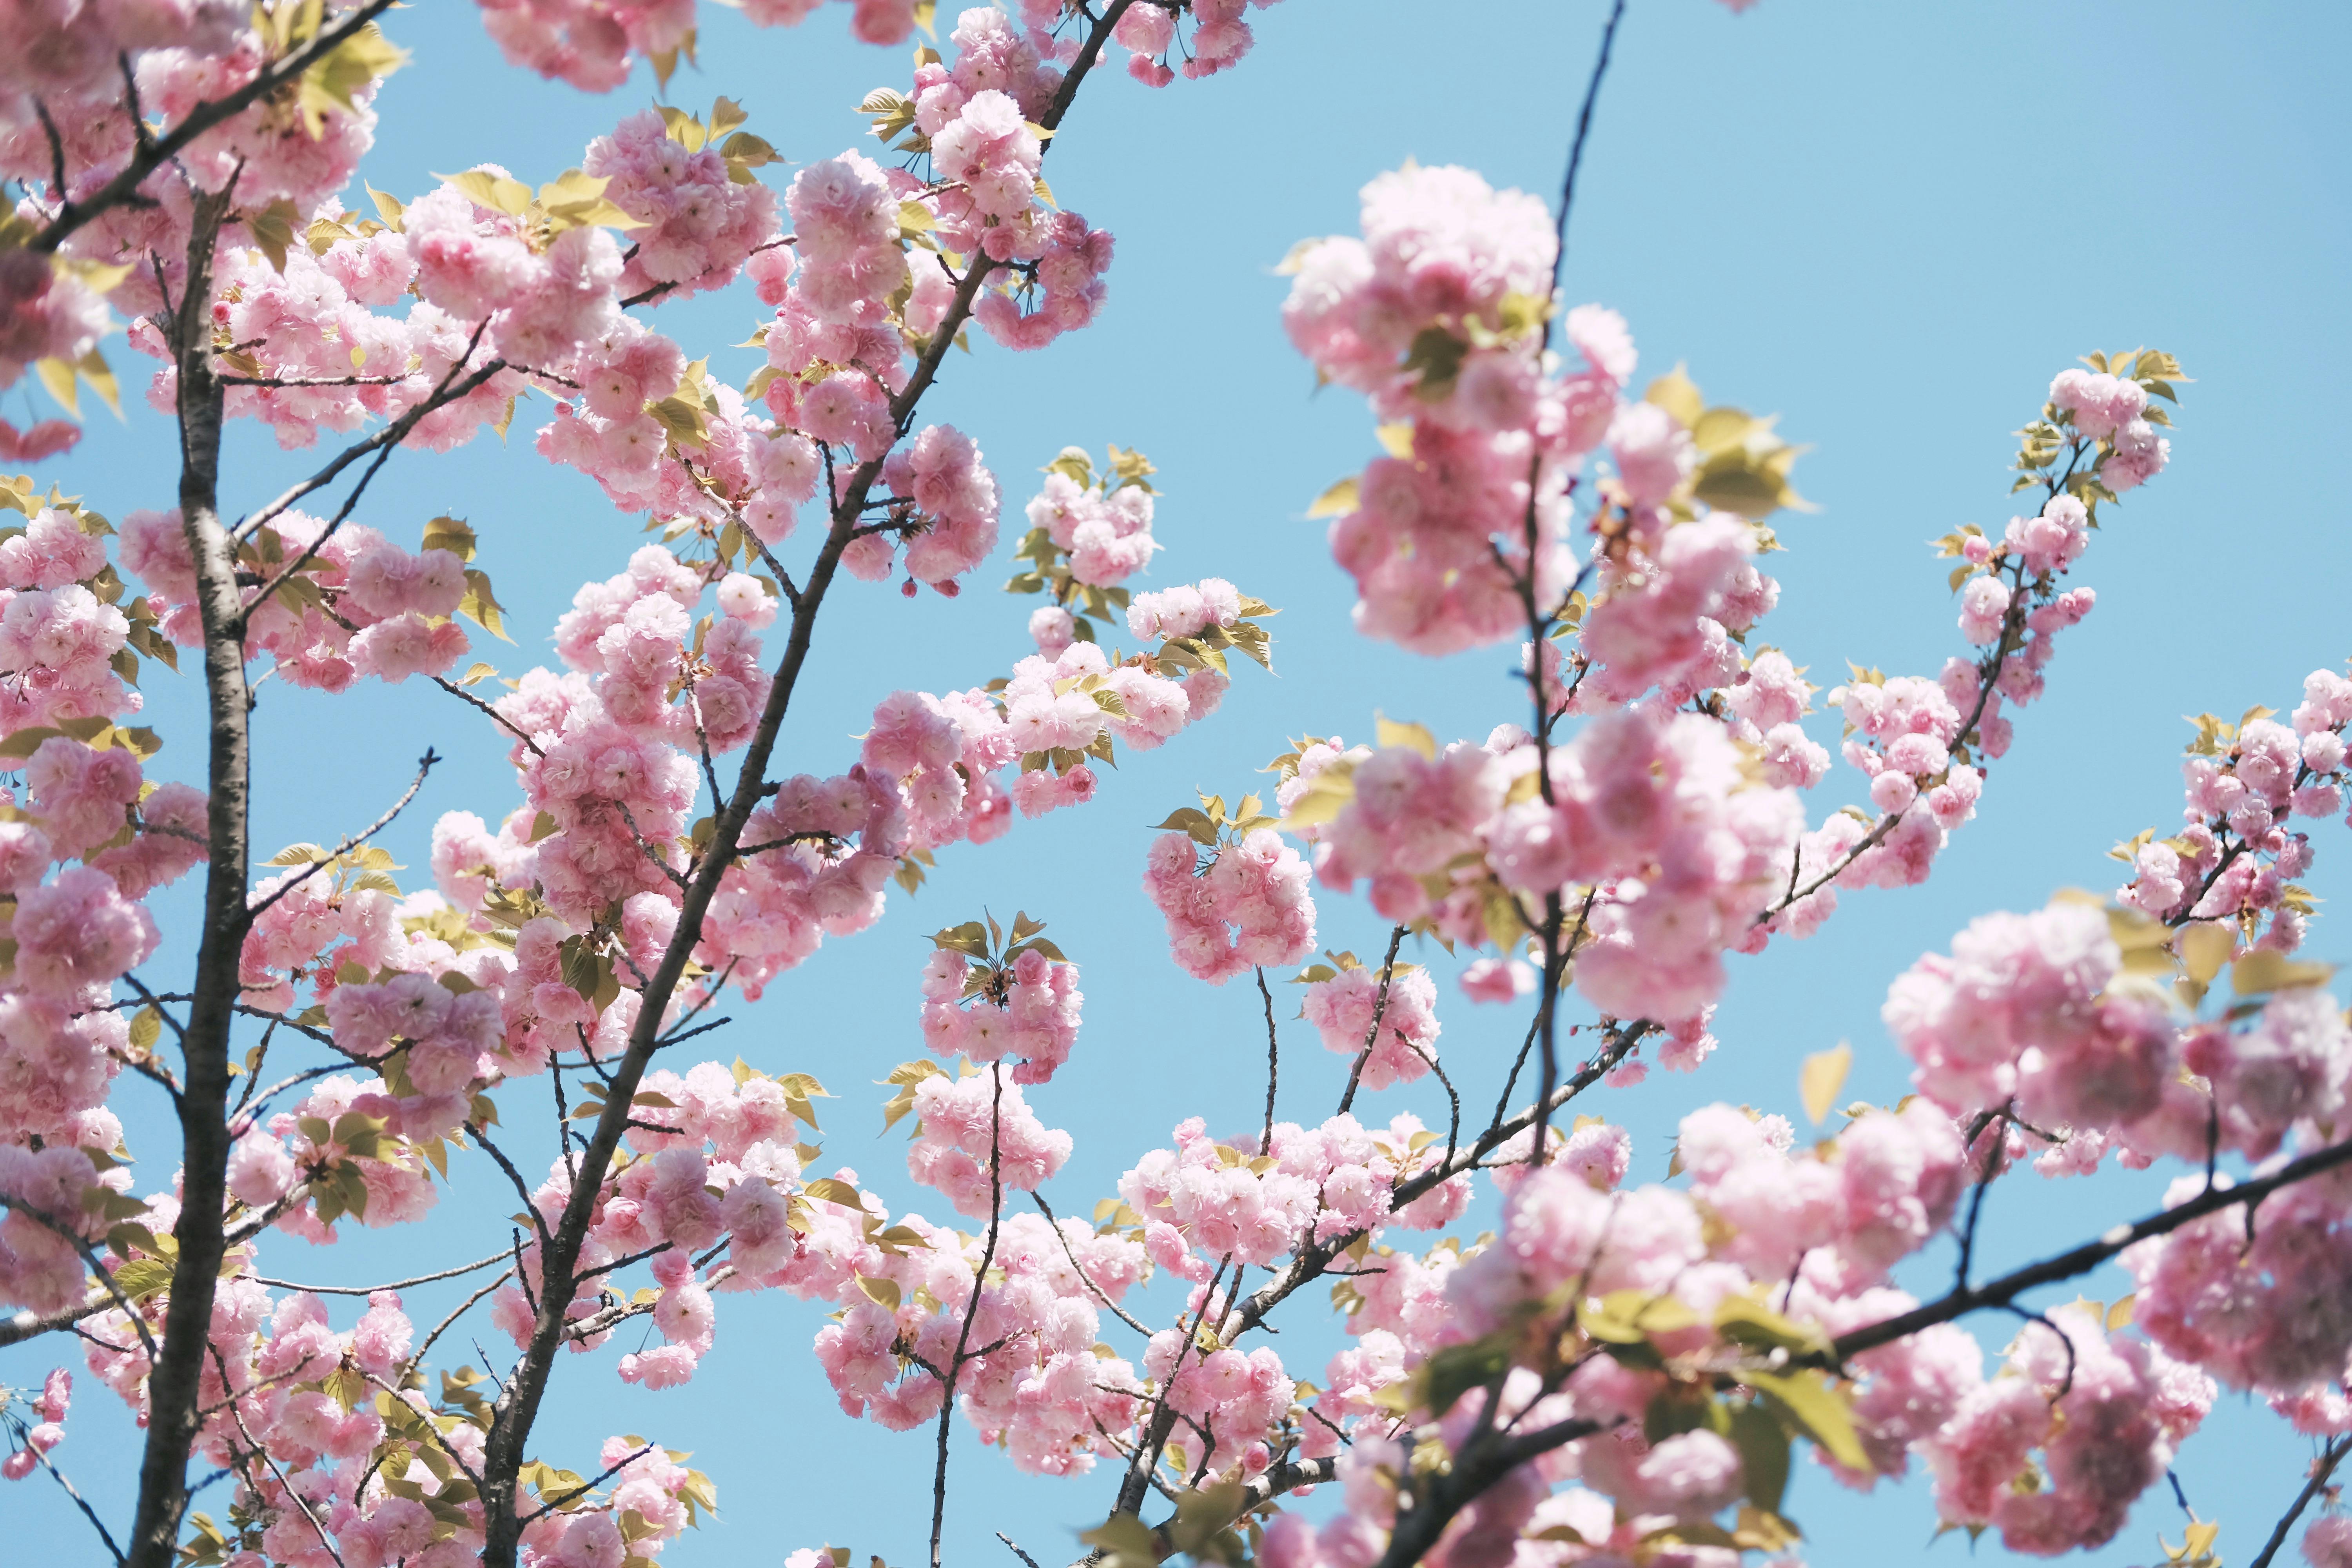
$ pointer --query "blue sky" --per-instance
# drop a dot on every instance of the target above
(1889, 224)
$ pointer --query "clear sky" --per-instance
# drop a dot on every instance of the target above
(1889, 224)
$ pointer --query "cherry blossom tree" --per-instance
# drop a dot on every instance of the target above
(1618, 1373)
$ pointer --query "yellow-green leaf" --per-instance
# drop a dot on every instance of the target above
(1674, 393)
(1340, 499)
(58, 377)
(1417, 736)
(1822, 1077)
(495, 192)
(2264, 970)
(2205, 947)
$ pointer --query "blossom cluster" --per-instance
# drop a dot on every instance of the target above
(50, 1405)
(1689, 1332)
(2051, 1024)
(1028, 1007)
(1434, 533)
(1633, 798)
(2038, 1015)
(1245, 905)
(2237, 859)
(701, 216)
(975, 1137)
(1023, 1341)
(1767, 1240)
(1104, 527)
(1204, 1200)
(1400, 1001)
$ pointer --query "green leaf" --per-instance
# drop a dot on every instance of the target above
(1189, 820)
(1125, 1543)
(1629, 1317)
(2266, 970)
(1763, 1445)
(1820, 1077)
(24, 742)
(495, 192)
(452, 535)
(272, 229)
(1817, 1407)
(1203, 1515)
(335, 81)
(1745, 1320)
(142, 1277)
(129, 1234)
(482, 606)
(1435, 356)
(1327, 795)
(1455, 1369)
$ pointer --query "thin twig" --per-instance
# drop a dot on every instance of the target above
(2083, 1258)
(97, 1267)
(497, 1257)
(1380, 1009)
(979, 1281)
(255, 1450)
(1124, 1315)
(424, 765)
(1273, 1062)
(2320, 1468)
(58, 1475)
(459, 692)
(391, 435)
(1454, 1101)
(549, 1504)
(495, 1153)
(417, 1357)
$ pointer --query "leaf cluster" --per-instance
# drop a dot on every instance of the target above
(1212, 821)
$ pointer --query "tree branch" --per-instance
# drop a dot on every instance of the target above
(972, 1308)
(1123, 1314)
(1372, 1034)
(2322, 1467)
(423, 766)
(151, 154)
(174, 1384)
(391, 434)
(497, 1257)
(517, 1408)
(2082, 1259)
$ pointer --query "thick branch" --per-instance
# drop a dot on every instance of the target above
(174, 1384)
(1437, 1498)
